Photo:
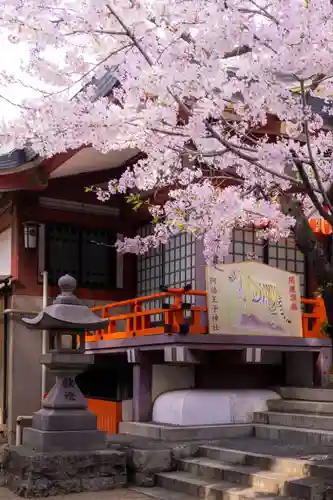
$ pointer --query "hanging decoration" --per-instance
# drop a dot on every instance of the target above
(320, 225)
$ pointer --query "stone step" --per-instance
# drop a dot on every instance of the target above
(271, 447)
(294, 435)
(317, 465)
(252, 477)
(300, 420)
(232, 493)
(305, 394)
(182, 482)
(166, 432)
(299, 406)
(288, 466)
(161, 493)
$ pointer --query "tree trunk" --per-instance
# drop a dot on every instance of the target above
(328, 300)
(315, 253)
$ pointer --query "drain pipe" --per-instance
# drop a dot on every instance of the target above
(44, 333)
(21, 419)
(5, 357)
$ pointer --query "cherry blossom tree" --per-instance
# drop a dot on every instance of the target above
(198, 80)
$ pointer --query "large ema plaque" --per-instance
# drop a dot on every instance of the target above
(254, 299)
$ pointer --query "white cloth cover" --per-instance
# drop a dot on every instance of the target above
(210, 407)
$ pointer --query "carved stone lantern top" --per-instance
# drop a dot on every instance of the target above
(67, 312)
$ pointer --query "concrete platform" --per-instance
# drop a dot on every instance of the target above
(288, 434)
(213, 342)
(300, 420)
(300, 406)
(167, 432)
(246, 446)
(305, 394)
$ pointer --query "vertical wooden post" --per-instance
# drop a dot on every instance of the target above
(142, 390)
(323, 363)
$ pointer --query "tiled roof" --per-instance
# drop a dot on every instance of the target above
(16, 158)
(317, 106)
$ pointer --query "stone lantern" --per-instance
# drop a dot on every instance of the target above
(63, 451)
(64, 423)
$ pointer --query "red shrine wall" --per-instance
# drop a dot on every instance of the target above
(25, 346)
(25, 262)
(24, 266)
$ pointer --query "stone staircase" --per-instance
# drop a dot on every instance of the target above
(289, 455)
(303, 416)
(220, 473)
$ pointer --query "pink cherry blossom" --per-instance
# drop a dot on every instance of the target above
(195, 76)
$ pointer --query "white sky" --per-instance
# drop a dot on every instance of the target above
(11, 58)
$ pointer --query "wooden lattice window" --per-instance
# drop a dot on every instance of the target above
(86, 254)
(282, 254)
(172, 265)
(285, 255)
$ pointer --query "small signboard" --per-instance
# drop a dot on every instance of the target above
(254, 299)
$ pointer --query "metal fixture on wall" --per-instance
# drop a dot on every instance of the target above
(30, 235)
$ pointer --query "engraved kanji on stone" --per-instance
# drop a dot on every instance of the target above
(70, 396)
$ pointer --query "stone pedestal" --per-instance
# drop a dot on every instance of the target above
(63, 451)
(33, 474)
(64, 422)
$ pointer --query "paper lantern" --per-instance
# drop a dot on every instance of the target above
(320, 226)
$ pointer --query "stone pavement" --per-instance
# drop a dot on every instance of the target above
(122, 494)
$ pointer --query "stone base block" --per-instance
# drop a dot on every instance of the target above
(55, 441)
(167, 432)
(32, 474)
(57, 420)
(142, 465)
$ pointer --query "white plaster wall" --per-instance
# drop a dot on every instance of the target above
(170, 377)
(24, 368)
(210, 407)
(6, 252)
(127, 410)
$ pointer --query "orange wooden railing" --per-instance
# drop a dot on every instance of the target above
(313, 321)
(139, 321)
(108, 414)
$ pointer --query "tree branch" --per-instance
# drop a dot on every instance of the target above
(251, 160)
(232, 148)
(17, 105)
(237, 51)
(306, 241)
(146, 56)
(265, 12)
(98, 32)
(131, 35)
(311, 157)
(310, 191)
